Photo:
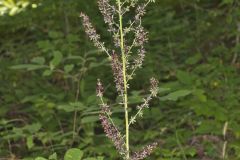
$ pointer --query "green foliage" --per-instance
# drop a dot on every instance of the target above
(13, 7)
(73, 154)
(45, 60)
(175, 95)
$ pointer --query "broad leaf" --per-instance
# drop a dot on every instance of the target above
(73, 154)
(174, 96)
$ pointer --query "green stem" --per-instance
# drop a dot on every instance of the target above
(140, 110)
(125, 97)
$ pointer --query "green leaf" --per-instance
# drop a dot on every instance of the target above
(33, 128)
(76, 106)
(72, 38)
(55, 35)
(68, 68)
(57, 58)
(97, 64)
(89, 119)
(190, 151)
(227, 1)
(38, 60)
(40, 158)
(27, 158)
(211, 108)
(161, 90)
(98, 158)
(47, 72)
(28, 66)
(135, 97)
(45, 46)
(194, 59)
(200, 94)
(53, 156)
(66, 108)
(79, 58)
(185, 77)
(73, 154)
(209, 126)
(174, 96)
(30, 143)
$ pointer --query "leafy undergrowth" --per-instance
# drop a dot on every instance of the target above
(48, 73)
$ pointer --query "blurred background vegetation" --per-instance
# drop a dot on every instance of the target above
(49, 68)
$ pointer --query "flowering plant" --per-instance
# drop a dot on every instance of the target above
(123, 66)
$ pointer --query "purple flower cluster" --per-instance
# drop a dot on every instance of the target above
(138, 62)
(117, 73)
(112, 133)
(109, 128)
(145, 152)
(145, 104)
(99, 88)
(106, 109)
(154, 87)
(116, 40)
(91, 32)
(140, 11)
(141, 36)
(108, 12)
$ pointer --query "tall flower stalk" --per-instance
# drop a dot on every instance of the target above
(125, 96)
(123, 67)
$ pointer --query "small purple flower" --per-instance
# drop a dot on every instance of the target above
(141, 36)
(117, 72)
(138, 62)
(108, 12)
(99, 88)
(106, 109)
(140, 11)
(112, 133)
(154, 87)
(91, 32)
(145, 152)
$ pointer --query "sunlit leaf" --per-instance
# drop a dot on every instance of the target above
(73, 154)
